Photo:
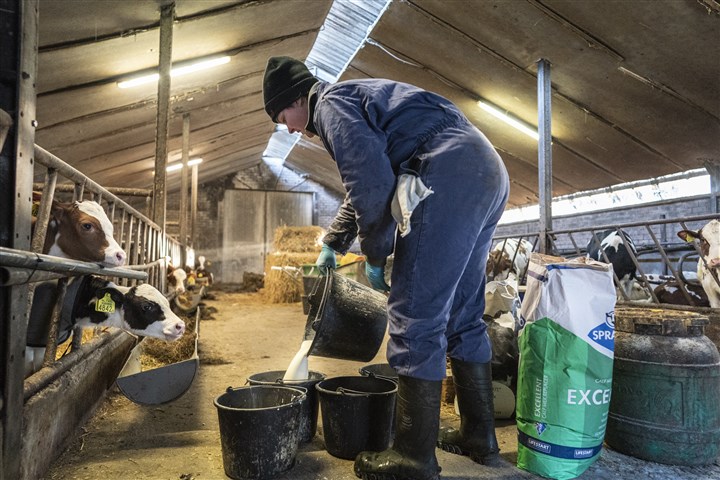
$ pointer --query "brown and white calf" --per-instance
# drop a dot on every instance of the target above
(670, 292)
(509, 259)
(93, 301)
(82, 231)
(175, 279)
(708, 266)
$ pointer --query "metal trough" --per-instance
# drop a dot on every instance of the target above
(158, 385)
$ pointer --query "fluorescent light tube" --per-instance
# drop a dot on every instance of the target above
(175, 72)
(505, 117)
(177, 166)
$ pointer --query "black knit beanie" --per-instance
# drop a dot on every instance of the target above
(286, 80)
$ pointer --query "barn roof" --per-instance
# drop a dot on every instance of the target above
(635, 85)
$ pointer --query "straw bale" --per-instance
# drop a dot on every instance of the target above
(298, 239)
(285, 286)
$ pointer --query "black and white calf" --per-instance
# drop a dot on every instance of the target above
(618, 253)
(93, 301)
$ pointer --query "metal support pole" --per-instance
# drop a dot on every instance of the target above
(18, 69)
(544, 154)
(184, 188)
(194, 206)
(713, 168)
(167, 14)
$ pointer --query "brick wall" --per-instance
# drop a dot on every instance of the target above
(693, 206)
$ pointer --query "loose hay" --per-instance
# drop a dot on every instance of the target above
(298, 239)
(87, 335)
(158, 353)
(285, 286)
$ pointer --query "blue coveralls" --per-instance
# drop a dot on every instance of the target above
(376, 130)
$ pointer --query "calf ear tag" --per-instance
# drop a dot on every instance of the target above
(35, 208)
(105, 304)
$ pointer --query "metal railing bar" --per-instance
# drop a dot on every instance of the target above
(10, 257)
(695, 218)
(51, 346)
(669, 265)
(43, 216)
(128, 192)
(49, 160)
(19, 276)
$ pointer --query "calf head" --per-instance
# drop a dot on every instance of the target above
(498, 265)
(509, 257)
(82, 231)
(141, 310)
(176, 279)
(708, 239)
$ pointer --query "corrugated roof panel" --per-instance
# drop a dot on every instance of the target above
(345, 29)
(343, 33)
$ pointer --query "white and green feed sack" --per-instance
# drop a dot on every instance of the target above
(566, 360)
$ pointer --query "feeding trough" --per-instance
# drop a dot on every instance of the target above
(188, 301)
(162, 384)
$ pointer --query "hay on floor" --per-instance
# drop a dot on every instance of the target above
(298, 239)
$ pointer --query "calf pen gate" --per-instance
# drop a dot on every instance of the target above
(660, 257)
(73, 386)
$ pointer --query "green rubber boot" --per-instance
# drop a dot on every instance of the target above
(417, 419)
(476, 437)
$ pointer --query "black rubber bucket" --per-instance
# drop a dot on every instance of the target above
(309, 408)
(259, 430)
(357, 414)
(380, 370)
(347, 320)
(386, 372)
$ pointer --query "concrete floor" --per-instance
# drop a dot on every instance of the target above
(181, 440)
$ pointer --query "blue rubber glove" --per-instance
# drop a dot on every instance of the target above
(326, 259)
(376, 277)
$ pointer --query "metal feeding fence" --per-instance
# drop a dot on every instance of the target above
(660, 256)
(147, 247)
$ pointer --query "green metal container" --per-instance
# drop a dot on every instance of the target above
(665, 403)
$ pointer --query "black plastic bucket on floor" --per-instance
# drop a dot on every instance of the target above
(309, 408)
(347, 320)
(380, 370)
(386, 372)
(259, 430)
(357, 414)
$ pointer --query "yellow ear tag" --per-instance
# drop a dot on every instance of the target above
(105, 304)
(35, 208)
(190, 281)
(689, 238)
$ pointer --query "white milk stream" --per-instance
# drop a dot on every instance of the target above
(298, 368)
